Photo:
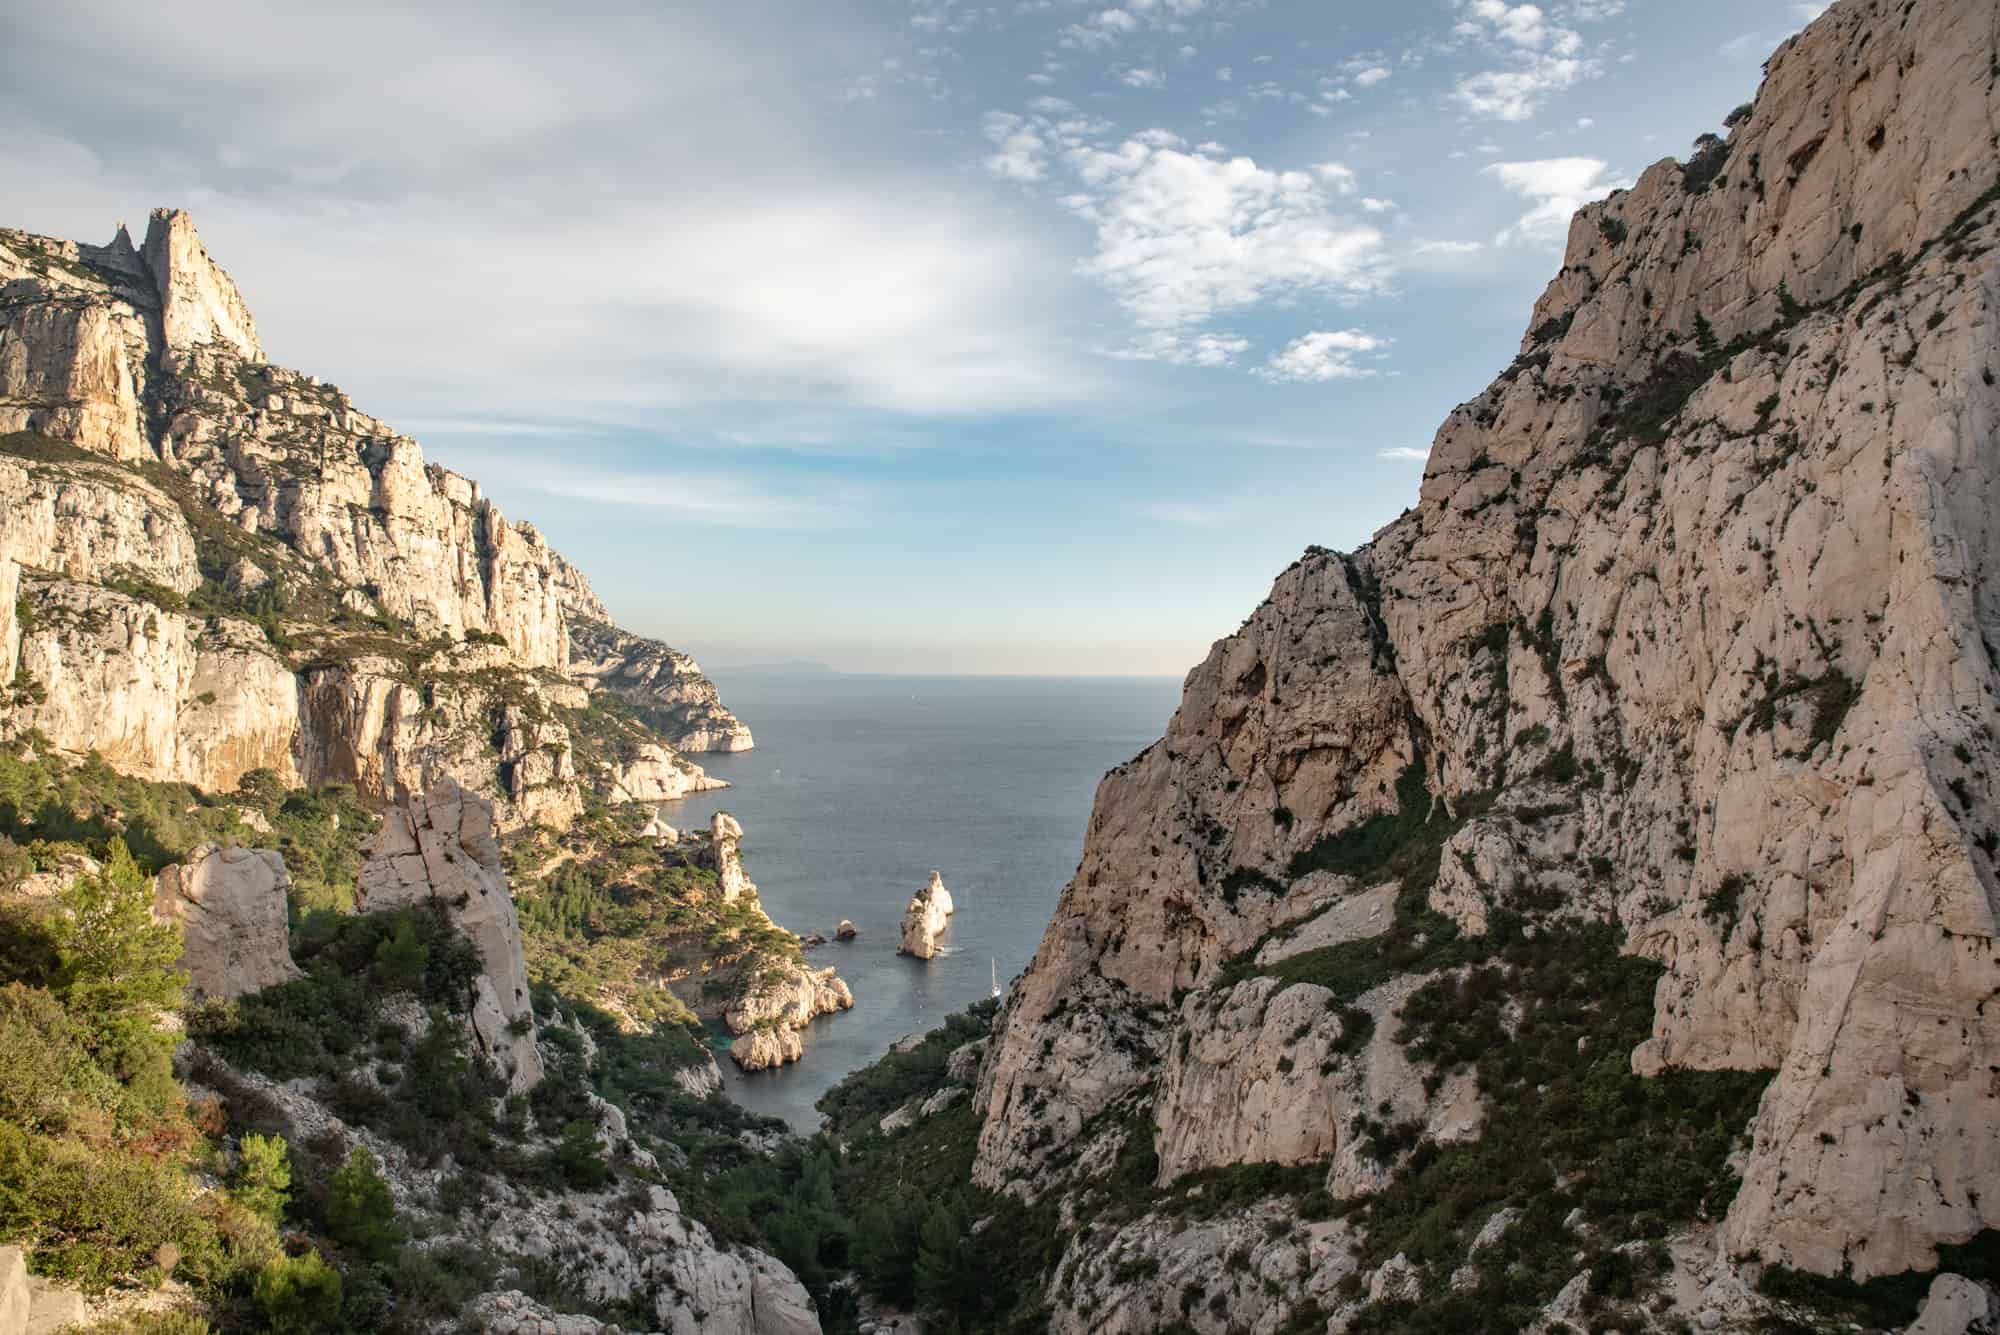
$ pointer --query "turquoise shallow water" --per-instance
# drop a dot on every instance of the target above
(860, 785)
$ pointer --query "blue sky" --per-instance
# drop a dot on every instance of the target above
(910, 336)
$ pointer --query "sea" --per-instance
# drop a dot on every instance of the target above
(860, 786)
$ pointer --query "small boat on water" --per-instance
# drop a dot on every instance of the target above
(996, 976)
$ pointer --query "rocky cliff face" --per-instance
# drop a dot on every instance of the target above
(1691, 635)
(439, 850)
(292, 585)
(665, 686)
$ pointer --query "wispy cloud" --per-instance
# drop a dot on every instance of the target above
(1558, 187)
(1323, 355)
(1405, 452)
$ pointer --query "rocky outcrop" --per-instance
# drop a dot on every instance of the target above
(925, 918)
(198, 302)
(1957, 1306)
(85, 520)
(655, 774)
(1688, 634)
(166, 463)
(158, 694)
(230, 906)
(724, 855)
(438, 849)
(769, 1014)
(663, 684)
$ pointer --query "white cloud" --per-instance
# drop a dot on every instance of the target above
(1447, 248)
(1541, 58)
(1341, 178)
(1020, 153)
(1371, 76)
(1183, 237)
(1225, 73)
(1373, 205)
(1196, 349)
(1408, 452)
(1558, 187)
(1323, 355)
(1141, 78)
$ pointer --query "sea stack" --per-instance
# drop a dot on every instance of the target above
(925, 919)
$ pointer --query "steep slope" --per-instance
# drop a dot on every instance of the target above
(226, 567)
(1689, 636)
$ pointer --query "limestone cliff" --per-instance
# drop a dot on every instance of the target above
(291, 585)
(663, 685)
(1689, 637)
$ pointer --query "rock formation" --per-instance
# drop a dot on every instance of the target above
(230, 906)
(296, 588)
(663, 684)
(925, 919)
(13, 1292)
(846, 931)
(1689, 635)
(768, 1016)
(438, 849)
(725, 838)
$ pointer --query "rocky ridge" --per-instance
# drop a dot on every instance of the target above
(293, 587)
(1687, 641)
(627, 1245)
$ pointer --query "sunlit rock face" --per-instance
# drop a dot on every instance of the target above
(1707, 584)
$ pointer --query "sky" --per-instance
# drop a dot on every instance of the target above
(907, 336)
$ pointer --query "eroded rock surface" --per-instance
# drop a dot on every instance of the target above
(229, 904)
(1688, 634)
(925, 919)
(438, 850)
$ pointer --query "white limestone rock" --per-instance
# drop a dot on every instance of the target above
(1957, 1306)
(13, 1292)
(198, 301)
(925, 920)
(230, 906)
(439, 849)
(666, 685)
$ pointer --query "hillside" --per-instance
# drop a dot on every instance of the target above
(281, 580)
(1575, 909)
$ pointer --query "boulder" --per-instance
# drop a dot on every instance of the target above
(1957, 1306)
(230, 906)
(54, 1307)
(925, 919)
(845, 932)
(438, 848)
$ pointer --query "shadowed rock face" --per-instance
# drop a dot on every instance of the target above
(439, 849)
(1707, 583)
(230, 906)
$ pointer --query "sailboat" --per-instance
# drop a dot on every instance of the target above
(996, 976)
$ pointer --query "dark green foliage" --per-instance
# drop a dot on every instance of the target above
(263, 1176)
(872, 1092)
(1701, 169)
(360, 1213)
(1723, 905)
(1381, 844)
(1889, 1301)
(1612, 229)
(1830, 696)
(1638, 1156)
(297, 1295)
(580, 1157)
(116, 971)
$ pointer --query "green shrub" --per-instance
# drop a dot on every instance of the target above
(94, 1214)
(263, 1175)
(297, 1295)
(360, 1212)
(579, 1157)
(116, 971)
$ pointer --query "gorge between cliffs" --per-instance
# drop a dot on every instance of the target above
(1572, 910)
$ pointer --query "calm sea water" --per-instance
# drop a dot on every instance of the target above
(860, 785)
